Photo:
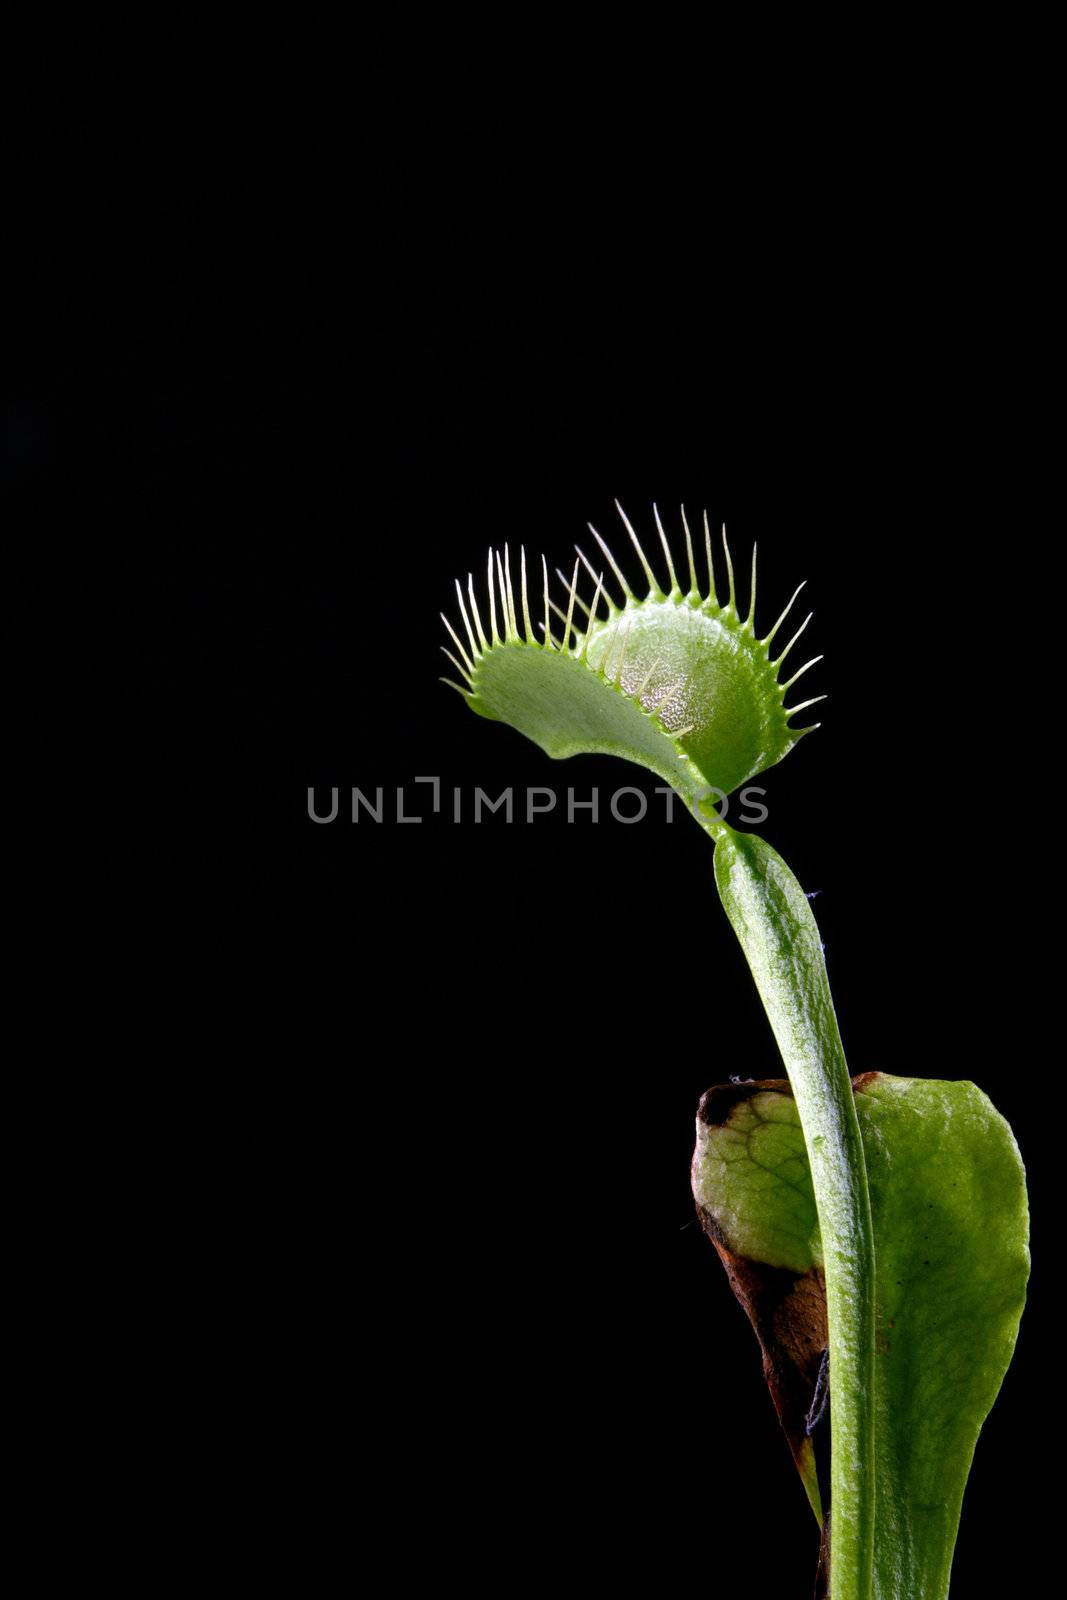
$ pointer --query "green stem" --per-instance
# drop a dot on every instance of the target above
(779, 936)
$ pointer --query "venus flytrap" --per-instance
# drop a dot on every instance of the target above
(677, 680)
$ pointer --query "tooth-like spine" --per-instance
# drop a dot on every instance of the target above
(511, 594)
(549, 641)
(712, 596)
(592, 618)
(505, 619)
(752, 593)
(476, 614)
(766, 642)
(689, 552)
(468, 663)
(467, 694)
(732, 602)
(776, 663)
(653, 586)
(466, 619)
(525, 601)
(570, 611)
(460, 669)
(617, 674)
(609, 646)
(646, 680)
(785, 687)
(492, 603)
(666, 550)
(562, 615)
(566, 582)
(612, 563)
(586, 563)
(791, 711)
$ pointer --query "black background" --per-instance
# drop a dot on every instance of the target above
(411, 1106)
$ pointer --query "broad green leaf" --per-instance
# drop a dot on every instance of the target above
(948, 1201)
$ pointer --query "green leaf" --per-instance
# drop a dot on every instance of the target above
(675, 680)
(948, 1201)
(679, 686)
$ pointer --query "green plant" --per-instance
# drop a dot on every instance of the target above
(812, 1189)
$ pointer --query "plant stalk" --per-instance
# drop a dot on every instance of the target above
(779, 936)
